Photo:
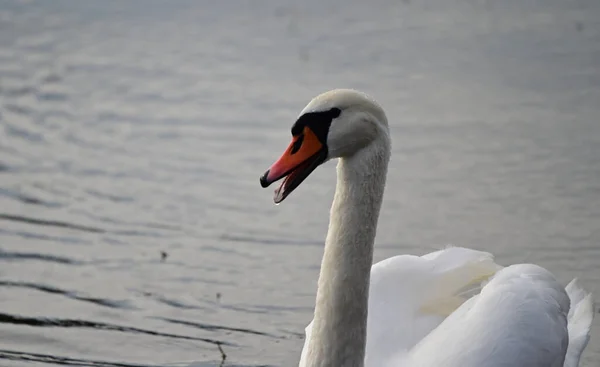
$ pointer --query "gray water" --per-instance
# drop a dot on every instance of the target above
(128, 129)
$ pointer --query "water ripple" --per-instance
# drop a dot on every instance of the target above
(269, 241)
(78, 227)
(18, 91)
(52, 96)
(211, 327)
(13, 355)
(27, 199)
(73, 323)
(19, 110)
(120, 304)
(172, 302)
(8, 255)
(52, 223)
(43, 237)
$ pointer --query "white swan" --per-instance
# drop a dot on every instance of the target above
(453, 307)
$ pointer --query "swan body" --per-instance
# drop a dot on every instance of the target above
(453, 307)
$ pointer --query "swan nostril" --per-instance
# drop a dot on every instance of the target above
(297, 144)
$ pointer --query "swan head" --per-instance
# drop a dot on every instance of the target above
(336, 124)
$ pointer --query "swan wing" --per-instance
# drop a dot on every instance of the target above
(456, 307)
(518, 319)
(409, 296)
(581, 315)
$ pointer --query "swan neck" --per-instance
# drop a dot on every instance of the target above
(340, 321)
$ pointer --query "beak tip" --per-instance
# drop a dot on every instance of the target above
(264, 181)
(279, 196)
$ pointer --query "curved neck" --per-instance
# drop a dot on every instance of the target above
(340, 319)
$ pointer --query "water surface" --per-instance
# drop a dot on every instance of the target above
(128, 129)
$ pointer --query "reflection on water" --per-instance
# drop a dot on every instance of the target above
(133, 231)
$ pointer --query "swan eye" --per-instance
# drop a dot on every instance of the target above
(335, 112)
(319, 122)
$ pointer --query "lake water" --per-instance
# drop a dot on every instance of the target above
(128, 129)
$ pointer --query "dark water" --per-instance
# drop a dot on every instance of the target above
(132, 128)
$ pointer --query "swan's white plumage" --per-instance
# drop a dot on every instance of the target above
(436, 282)
(580, 318)
(518, 319)
(457, 307)
(411, 295)
(453, 308)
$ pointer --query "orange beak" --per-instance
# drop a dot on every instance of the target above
(304, 154)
